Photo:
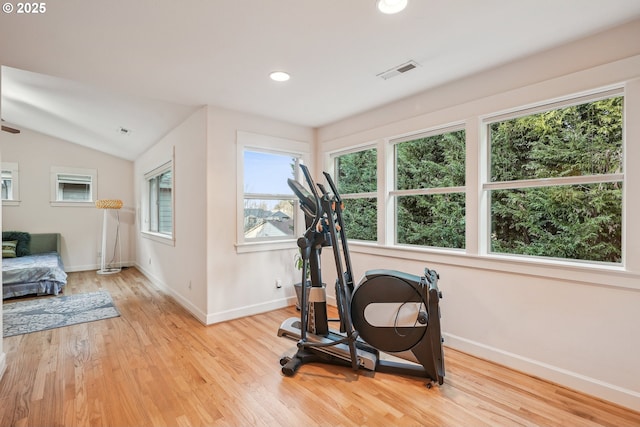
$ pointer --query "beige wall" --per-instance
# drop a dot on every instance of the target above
(178, 266)
(241, 283)
(81, 227)
(225, 284)
(572, 324)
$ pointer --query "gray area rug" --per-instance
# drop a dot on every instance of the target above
(24, 317)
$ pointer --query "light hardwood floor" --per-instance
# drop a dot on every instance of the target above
(156, 365)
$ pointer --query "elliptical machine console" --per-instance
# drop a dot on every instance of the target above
(388, 312)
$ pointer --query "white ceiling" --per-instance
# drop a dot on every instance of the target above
(84, 69)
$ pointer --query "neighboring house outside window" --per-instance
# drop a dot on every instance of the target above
(268, 214)
(73, 186)
(10, 184)
(159, 203)
(269, 203)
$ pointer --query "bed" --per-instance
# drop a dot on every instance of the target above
(36, 268)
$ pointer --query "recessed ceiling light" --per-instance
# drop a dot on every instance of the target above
(391, 6)
(279, 76)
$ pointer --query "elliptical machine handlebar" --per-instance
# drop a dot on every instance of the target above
(333, 187)
(312, 186)
(309, 202)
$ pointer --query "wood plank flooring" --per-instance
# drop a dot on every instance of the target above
(155, 365)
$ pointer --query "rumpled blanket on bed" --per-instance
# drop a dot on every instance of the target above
(31, 274)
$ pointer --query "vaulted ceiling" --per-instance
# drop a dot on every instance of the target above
(117, 75)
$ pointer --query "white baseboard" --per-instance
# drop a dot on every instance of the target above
(89, 267)
(223, 316)
(591, 386)
(186, 304)
(249, 310)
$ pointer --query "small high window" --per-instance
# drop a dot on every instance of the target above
(10, 187)
(74, 188)
(71, 186)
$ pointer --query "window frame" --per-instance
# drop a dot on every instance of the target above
(14, 170)
(393, 193)
(249, 141)
(472, 113)
(146, 230)
(486, 185)
(58, 171)
(362, 195)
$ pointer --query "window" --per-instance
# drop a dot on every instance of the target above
(159, 183)
(555, 180)
(356, 178)
(429, 189)
(7, 185)
(73, 186)
(10, 187)
(267, 212)
(269, 205)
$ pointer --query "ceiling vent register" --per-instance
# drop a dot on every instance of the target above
(400, 69)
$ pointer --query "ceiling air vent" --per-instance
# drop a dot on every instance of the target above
(400, 69)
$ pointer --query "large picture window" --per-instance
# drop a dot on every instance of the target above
(555, 180)
(429, 189)
(159, 184)
(356, 178)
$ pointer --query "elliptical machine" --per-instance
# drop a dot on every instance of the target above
(388, 311)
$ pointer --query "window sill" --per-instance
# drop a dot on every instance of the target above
(11, 203)
(242, 248)
(609, 275)
(73, 204)
(158, 237)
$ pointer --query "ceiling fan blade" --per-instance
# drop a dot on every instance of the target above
(10, 129)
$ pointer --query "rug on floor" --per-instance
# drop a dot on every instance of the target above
(24, 317)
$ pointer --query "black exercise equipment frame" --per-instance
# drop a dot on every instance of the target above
(325, 227)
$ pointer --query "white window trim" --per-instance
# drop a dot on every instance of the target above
(379, 195)
(144, 231)
(486, 185)
(392, 192)
(63, 170)
(248, 141)
(473, 256)
(15, 183)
